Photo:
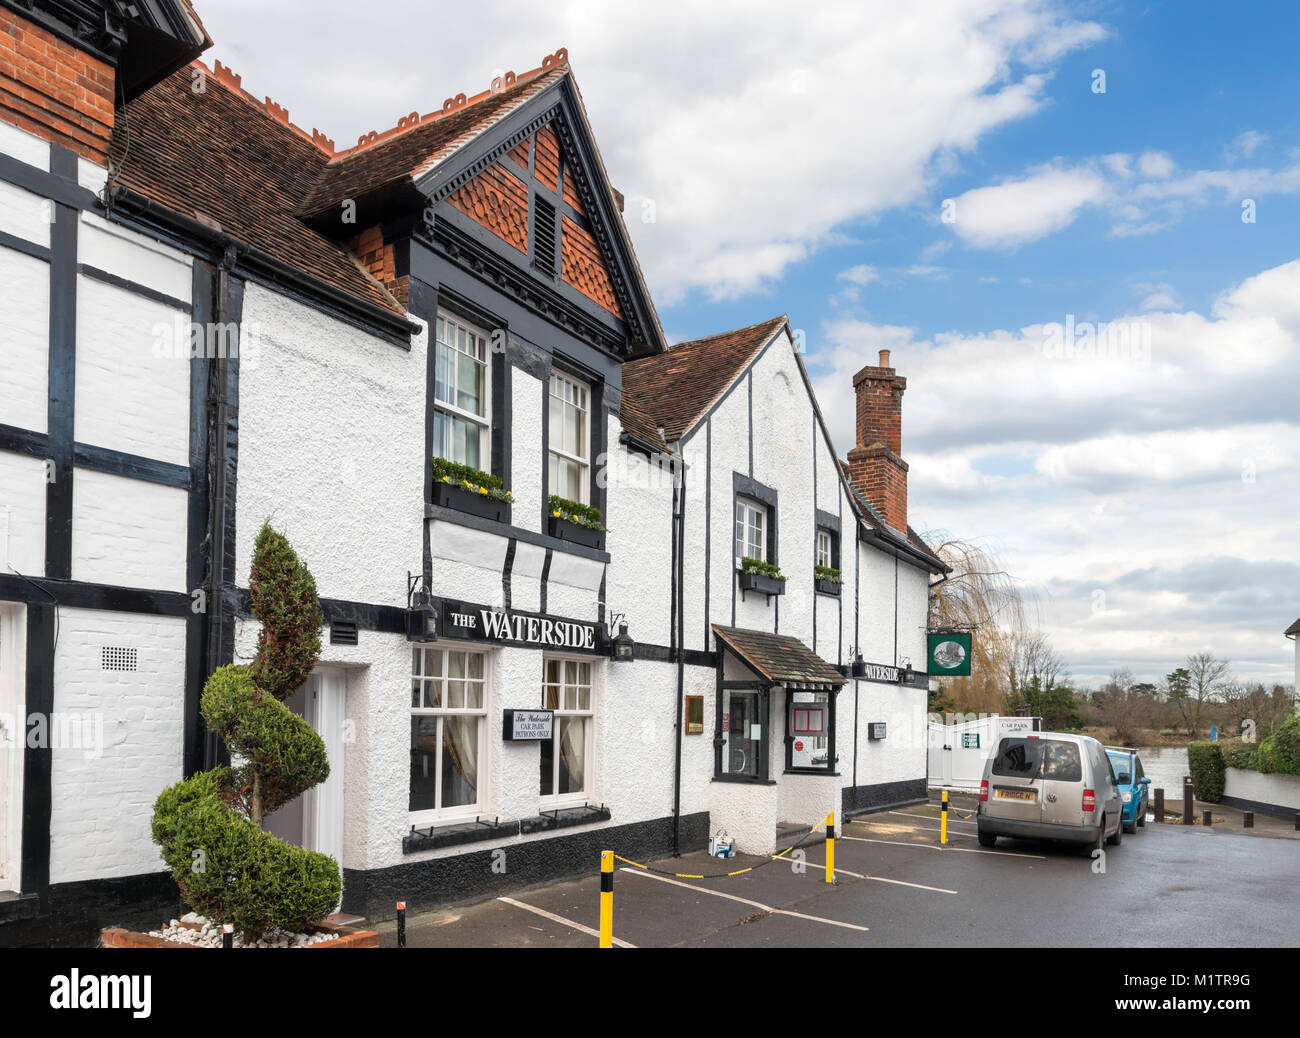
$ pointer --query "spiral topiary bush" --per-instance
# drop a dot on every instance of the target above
(209, 826)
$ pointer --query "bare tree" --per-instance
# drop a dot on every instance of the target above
(1206, 677)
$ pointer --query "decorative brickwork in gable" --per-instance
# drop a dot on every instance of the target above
(498, 200)
(548, 158)
(520, 153)
(571, 195)
(584, 267)
(53, 90)
(379, 257)
(876, 469)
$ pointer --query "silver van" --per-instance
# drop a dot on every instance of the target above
(1050, 786)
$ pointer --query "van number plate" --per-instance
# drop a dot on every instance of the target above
(1016, 794)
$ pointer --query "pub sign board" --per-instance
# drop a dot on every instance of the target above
(949, 654)
(527, 725)
(469, 621)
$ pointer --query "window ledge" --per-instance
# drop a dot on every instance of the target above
(744, 780)
(820, 772)
(563, 819)
(432, 837)
(459, 518)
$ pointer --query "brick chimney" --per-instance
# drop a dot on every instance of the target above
(876, 470)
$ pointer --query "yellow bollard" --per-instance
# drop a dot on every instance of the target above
(606, 899)
(830, 847)
(943, 825)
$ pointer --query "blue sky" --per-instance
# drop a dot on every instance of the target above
(782, 158)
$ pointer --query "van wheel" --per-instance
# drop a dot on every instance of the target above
(1114, 841)
(987, 839)
(1142, 818)
(1131, 827)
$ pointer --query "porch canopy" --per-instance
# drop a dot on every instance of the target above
(780, 659)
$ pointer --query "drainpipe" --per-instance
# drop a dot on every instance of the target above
(678, 637)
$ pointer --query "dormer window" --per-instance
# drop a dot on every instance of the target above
(462, 429)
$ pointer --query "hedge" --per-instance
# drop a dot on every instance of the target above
(1205, 762)
(1280, 752)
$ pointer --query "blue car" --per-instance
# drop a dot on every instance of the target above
(1134, 786)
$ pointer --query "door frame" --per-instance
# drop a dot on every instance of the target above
(13, 712)
(325, 709)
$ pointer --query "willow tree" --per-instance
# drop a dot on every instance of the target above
(981, 596)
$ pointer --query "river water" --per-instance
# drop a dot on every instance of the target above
(1166, 767)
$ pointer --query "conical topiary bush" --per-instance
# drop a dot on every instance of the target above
(210, 826)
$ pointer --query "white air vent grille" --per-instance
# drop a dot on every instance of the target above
(117, 657)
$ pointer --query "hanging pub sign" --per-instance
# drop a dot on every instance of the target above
(525, 725)
(481, 623)
(949, 654)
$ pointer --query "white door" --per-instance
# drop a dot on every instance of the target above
(12, 695)
(315, 819)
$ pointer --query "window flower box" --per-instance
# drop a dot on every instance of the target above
(470, 490)
(760, 576)
(576, 523)
(828, 580)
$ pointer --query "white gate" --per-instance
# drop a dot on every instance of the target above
(957, 752)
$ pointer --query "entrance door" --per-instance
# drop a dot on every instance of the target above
(742, 736)
(12, 695)
(315, 819)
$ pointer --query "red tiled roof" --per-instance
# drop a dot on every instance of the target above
(676, 389)
(220, 155)
(779, 658)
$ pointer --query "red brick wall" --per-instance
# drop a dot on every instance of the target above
(378, 257)
(876, 469)
(52, 89)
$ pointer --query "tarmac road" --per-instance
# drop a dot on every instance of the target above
(1165, 886)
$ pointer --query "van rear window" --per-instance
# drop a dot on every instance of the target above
(1039, 758)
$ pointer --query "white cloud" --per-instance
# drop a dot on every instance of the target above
(862, 274)
(757, 127)
(1245, 144)
(1020, 211)
(1086, 468)
(1156, 164)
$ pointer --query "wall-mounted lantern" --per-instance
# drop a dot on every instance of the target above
(859, 666)
(622, 648)
(421, 617)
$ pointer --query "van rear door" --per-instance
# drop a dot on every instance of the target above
(1061, 785)
(1013, 791)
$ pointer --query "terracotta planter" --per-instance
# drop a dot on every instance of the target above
(349, 937)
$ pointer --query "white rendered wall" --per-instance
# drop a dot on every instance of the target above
(25, 147)
(25, 303)
(526, 461)
(103, 790)
(132, 396)
(128, 532)
(22, 514)
(331, 448)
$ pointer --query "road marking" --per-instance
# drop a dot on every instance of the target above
(928, 818)
(746, 901)
(936, 847)
(890, 827)
(562, 921)
(879, 879)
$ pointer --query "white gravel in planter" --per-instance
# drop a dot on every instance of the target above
(209, 935)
